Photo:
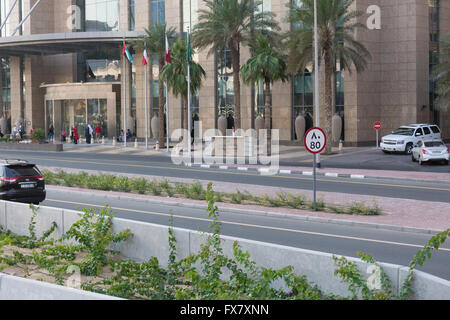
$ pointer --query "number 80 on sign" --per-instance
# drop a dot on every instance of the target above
(315, 140)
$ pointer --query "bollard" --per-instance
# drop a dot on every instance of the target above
(103, 140)
(341, 146)
(114, 142)
(157, 146)
(136, 144)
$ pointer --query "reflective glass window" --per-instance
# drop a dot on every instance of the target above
(158, 11)
(101, 15)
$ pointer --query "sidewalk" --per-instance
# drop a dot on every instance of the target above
(398, 213)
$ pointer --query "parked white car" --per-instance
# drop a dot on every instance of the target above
(405, 138)
(431, 150)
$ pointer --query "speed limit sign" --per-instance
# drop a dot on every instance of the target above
(315, 140)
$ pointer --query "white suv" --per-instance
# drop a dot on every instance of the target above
(405, 138)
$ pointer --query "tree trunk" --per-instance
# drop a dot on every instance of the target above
(235, 56)
(328, 100)
(162, 102)
(268, 115)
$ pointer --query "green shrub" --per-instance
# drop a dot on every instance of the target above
(123, 184)
(141, 185)
(94, 233)
(38, 135)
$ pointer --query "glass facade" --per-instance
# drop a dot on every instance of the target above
(98, 66)
(158, 14)
(4, 10)
(48, 115)
(81, 112)
(303, 99)
(100, 15)
(97, 114)
(131, 9)
(225, 90)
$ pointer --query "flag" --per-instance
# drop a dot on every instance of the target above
(145, 58)
(168, 58)
(127, 53)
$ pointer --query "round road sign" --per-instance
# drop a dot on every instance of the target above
(315, 140)
(377, 125)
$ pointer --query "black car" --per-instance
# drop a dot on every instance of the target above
(21, 181)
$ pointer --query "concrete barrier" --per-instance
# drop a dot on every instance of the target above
(151, 240)
(16, 288)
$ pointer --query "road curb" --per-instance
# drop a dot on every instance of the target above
(118, 196)
(282, 172)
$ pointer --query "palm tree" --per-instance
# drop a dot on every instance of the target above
(225, 24)
(266, 64)
(155, 42)
(175, 74)
(336, 30)
(442, 76)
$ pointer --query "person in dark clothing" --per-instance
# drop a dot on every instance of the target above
(51, 132)
(87, 135)
(230, 122)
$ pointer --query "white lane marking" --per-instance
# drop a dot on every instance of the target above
(258, 226)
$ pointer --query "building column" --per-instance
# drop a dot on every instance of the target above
(16, 91)
(57, 119)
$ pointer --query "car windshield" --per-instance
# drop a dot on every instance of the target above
(22, 171)
(404, 131)
(431, 144)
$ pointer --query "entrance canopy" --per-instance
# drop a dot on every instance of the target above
(60, 43)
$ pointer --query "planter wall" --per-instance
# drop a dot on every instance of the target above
(222, 125)
(31, 146)
(336, 127)
(155, 126)
(300, 124)
(259, 123)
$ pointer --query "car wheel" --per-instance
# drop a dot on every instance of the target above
(446, 162)
(409, 148)
(386, 151)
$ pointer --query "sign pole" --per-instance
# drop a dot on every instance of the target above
(315, 141)
(377, 138)
(315, 164)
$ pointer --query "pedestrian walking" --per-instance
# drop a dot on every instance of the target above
(14, 131)
(21, 131)
(98, 132)
(75, 135)
(63, 136)
(51, 132)
(91, 133)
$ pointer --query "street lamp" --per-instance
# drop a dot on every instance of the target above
(316, 76)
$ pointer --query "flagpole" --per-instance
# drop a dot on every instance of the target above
(189, 97)
(167, 117)
(146, 104)
(124, 99)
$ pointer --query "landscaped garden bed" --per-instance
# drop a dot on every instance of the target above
(196, 191)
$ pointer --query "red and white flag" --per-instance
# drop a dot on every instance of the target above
(168, 58)
(145, 58)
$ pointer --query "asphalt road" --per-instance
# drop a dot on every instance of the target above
(386, 246)
(159, 166)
